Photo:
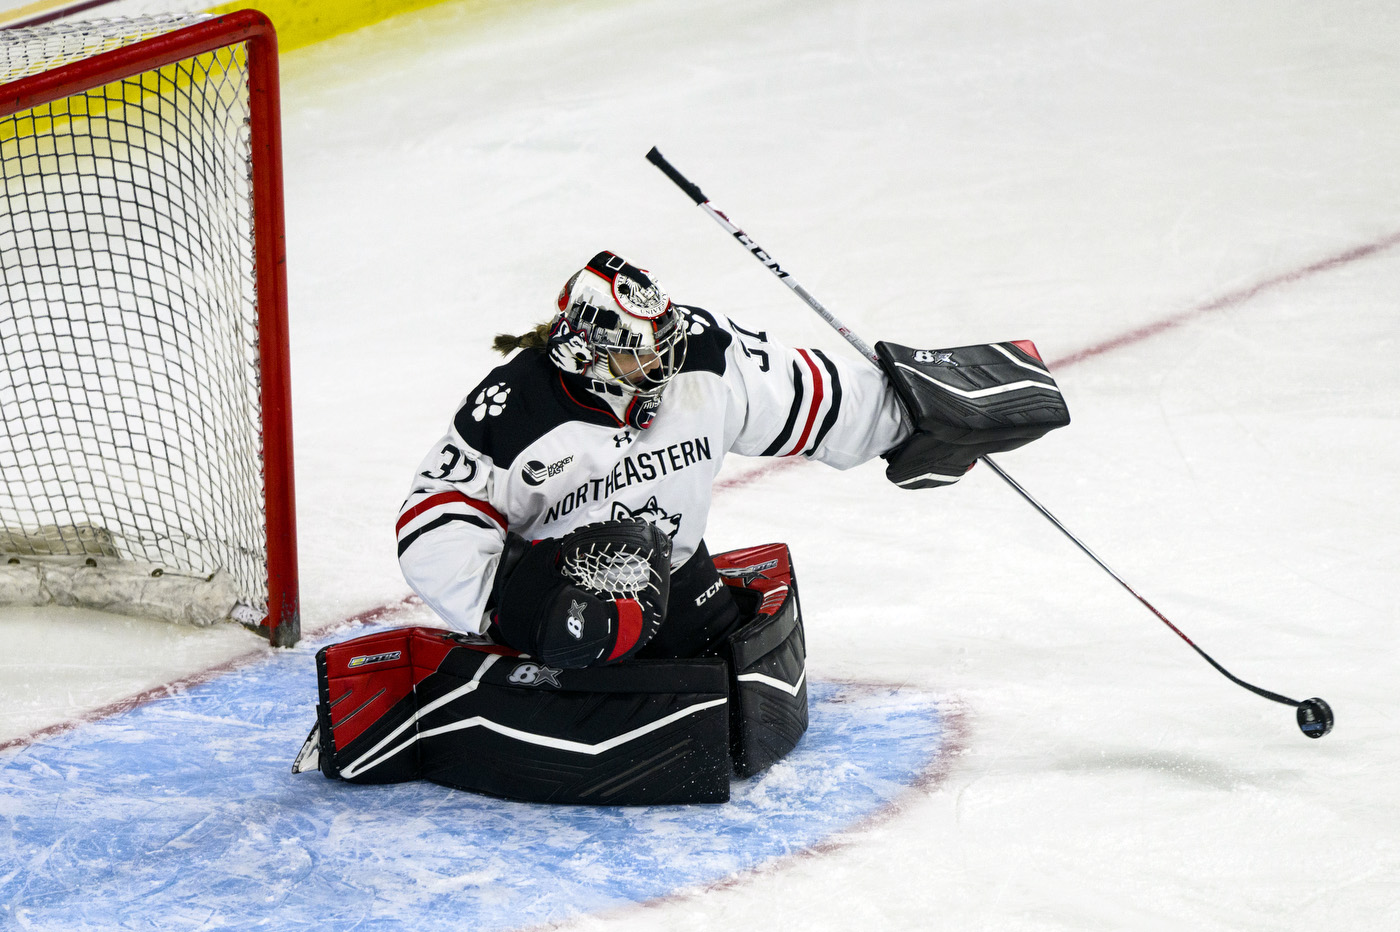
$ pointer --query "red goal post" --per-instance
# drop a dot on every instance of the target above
(145, 384)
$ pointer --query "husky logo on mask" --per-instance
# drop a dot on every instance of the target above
(568, 348)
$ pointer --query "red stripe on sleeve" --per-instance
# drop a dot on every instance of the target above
(443, 498)
(629, 626)
(818, 393)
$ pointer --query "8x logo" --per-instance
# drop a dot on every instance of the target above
(935, 357)
(533, 674)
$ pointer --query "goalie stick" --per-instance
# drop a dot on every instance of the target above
(1314, 715)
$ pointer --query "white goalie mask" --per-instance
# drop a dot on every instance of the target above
(616, 326)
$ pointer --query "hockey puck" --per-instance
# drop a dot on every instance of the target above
(1314, 717)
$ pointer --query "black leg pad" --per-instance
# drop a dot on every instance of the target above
(650, 732)
(768, 659)
(420, 703)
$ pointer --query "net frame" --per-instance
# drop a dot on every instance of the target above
(255, 34)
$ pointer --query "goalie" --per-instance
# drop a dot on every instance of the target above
(604, 432)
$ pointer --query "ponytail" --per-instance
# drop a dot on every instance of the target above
(506, 343)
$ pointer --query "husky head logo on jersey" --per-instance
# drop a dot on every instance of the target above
(652, 513)
(616, 326)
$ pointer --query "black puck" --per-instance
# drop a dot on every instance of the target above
(1314, 717)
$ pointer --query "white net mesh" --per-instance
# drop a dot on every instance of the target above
(43, 48)
(615, 570)
(128, 324)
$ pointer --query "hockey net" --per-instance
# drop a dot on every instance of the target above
(145, 450)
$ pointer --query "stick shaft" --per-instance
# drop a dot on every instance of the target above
(758, 252)
(1045, 512)
(693, 190)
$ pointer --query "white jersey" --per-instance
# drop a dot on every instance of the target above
(539, 452)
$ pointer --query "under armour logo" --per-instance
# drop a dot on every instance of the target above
(622, 439)
(575, 619)
(532, 674)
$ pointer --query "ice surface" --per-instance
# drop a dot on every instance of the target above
(187, 807)
(63, 663)
(941, 174)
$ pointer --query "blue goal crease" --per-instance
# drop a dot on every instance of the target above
(183, 813)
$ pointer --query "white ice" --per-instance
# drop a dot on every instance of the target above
(937, 174)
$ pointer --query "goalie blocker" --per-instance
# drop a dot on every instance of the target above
(966, 403)
(463, 711)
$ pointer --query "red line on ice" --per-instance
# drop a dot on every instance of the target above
(128, 703)
(1231, 299)
(175, 687)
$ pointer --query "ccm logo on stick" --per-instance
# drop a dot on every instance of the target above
(759, 254)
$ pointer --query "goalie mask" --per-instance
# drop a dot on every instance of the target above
(617, 327)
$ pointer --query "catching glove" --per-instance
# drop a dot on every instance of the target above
(596, 596)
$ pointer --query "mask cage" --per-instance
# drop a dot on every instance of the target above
(614, 337)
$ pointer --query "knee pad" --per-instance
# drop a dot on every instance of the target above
(767, 658)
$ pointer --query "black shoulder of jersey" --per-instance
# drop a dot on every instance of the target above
(706, 341)
(518, 403)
